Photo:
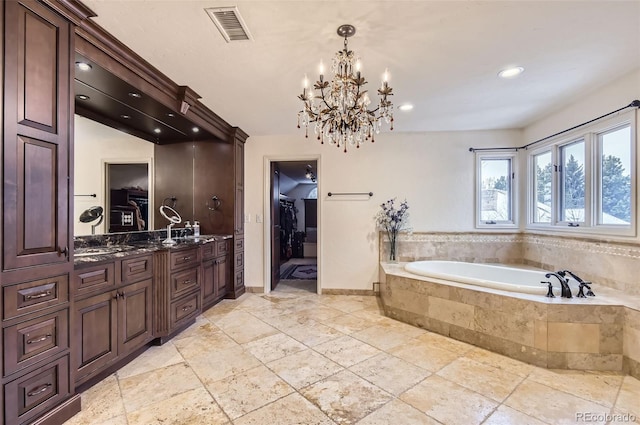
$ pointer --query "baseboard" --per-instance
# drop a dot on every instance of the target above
(254, 289)
(61, 413)
(347, 292)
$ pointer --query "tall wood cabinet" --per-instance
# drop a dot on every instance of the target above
(37, 149)
(239, 138)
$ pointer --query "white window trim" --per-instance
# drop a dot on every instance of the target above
(592, 174)
(481, 224)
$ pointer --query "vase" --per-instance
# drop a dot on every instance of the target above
(392, 249)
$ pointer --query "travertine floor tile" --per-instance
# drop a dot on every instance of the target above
(390, 373)
(290, 410)
(550, 405)
(313, 333)
(384, 337)
(218, 364)
(397, 412)
(234, 319)
(304, 368)
(505, 415)
(346, 351)
(160, 384)
(501, 362)
(202, 327)
(449, 403)
(319, 313)
(198, 345)
(242, 393)
(424, 355)
(345, 397)
(101, 403)
(601, 388)
(629, 397)
(489, 381)
(245, 333)
(436, 340)
(273, 347)
(154, 358)
(348, 323)
(195, 407)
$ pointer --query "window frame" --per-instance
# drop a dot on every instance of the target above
(513, 191)
(593, 173)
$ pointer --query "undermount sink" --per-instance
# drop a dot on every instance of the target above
(101, 250)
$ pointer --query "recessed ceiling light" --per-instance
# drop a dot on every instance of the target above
(125, 116)
(171, 115)
(195, 129)
(134, 94)
(511, 72)
(406, 107)
(83, 97)
(83, 66)
(157, 130)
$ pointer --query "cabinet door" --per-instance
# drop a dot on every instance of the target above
(209, 293)
(134, 316)
(95, 333)
(37, 113)
(222, 276)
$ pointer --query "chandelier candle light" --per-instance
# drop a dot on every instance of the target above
(339, 110)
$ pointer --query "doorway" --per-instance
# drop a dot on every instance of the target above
(293, 225)
(128, 198)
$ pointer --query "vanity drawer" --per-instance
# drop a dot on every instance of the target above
(95, 278)
(238, 278)
(208, 250)
(185, 309)
(35, 340)
(33, 394)
(221, 248)
(238, 244)
(184, 282)
(28, 297)
(184, 258)
(239, 260)
(137, 268)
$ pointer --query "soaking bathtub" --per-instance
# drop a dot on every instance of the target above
(489, 276)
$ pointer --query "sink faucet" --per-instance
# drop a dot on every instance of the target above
(566, 291)
(582, 283)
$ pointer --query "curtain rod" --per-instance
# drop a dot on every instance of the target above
(634, 104)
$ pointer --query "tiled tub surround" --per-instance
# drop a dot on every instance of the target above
(601, 333)
(606, 263)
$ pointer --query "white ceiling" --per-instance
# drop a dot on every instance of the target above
(443, 56)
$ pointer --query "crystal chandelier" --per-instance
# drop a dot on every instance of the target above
(338, 109)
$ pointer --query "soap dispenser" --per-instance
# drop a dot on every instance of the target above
(187, 228)
(196, 228)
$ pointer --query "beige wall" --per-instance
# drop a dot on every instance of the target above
(433, 171)
(95, 143)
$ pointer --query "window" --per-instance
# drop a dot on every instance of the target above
(614, 177)
(586, 183)
(495, 190)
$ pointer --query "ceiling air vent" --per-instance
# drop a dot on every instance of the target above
(229, 22)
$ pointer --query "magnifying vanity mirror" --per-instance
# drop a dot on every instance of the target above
(92, 214)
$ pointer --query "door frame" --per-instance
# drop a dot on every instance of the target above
(266, 222)
(106, 194)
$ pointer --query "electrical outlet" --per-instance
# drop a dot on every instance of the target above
(247, 218)
(258, 218)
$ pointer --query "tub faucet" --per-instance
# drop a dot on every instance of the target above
(583, 284)
(566, 291)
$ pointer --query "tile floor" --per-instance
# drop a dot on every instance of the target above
(293, 357)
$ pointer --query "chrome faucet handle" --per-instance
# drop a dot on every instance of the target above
(550, 291)
(589, 291)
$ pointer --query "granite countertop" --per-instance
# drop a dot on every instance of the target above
(108, 252)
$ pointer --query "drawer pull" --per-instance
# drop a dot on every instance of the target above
(186, 282)
(39, 390)
(187, 307)
(39, 339)
(40, 295)
(186, 258)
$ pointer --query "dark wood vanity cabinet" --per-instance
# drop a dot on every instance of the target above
(36, 242)
(112, 313)
(237, 284)
(216, 272)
